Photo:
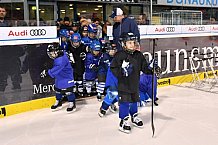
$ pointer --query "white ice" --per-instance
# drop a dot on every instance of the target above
(184, 116)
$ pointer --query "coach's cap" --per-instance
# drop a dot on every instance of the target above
(116, 12)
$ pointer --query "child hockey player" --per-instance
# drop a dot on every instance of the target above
(111, 86)
(78, 51)
(91, 66)
(92, 32)
(126, 66)
(145, 89)
(145, 85)
(75, 27)
(84, 31)
(63, 74)
(64, 36)
(104, 63)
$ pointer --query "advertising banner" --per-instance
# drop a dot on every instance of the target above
(191, 3)
(27, 35)
(172, 31)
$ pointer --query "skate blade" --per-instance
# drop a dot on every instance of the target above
(101, 115)
(57, 109)
(125, 131)
(99, 99)
(69, 112)
(138, 126)
(111, 110)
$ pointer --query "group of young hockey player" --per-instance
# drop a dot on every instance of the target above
(86, 66)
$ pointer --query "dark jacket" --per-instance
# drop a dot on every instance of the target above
(127, 25)
(4, 24)
(128, 87)
(78, 66)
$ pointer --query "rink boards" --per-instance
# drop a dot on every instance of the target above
(47, 102)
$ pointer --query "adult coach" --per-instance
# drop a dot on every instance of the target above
(122, 24)
(3, 13)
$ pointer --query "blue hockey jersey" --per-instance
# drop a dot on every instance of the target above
(104, 63)
(90, 71)
(87, 40)
(64, 46)
(145, 84)
(62, 72)
(111, 81)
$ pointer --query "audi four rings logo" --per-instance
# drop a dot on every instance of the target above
(201, 28)
(37, 32)
(170, 29)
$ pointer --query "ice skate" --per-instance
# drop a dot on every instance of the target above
(124, 125)
(99, 97)
(148, 100)
(155, 103)
(101, 112)
(113, 108)
(80, 94)
(56, 106)
(137, 121)
(72, 107)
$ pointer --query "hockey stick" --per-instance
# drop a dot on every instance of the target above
(152, 105)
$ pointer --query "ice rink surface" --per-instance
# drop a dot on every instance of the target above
(185, 116)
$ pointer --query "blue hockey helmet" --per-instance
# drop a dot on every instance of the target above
(95, 45)
(92, 28)
(75, 37)
(64, 33)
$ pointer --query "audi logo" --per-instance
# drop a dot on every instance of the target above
(201, 28)
(170, 29)
(37, 32)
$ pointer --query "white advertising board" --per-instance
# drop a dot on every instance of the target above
(30, 35)
(170, 31)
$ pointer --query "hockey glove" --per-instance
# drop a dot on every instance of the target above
(126, 68)
(71, 58)
(93, 67)
(83, 55)
(153, 63)
(44, 73)
(158, 72)
(107, 62)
